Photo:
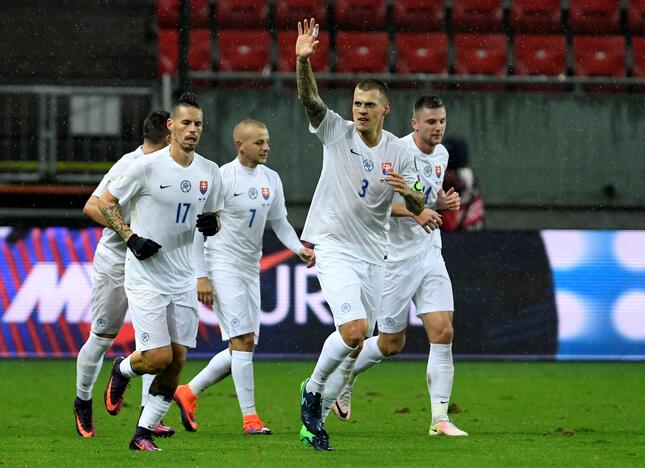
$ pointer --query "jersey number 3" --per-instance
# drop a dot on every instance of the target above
(363, 189)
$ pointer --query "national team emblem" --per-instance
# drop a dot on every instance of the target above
(100, 323)
(203, 186)
(185, 186)
(386, 167)
(437, 171)
(389, 322)
(145, 337)
(253, 193)
(346, 307)
(368, 165)
(427, 171)
(235, 323)
(266, 193)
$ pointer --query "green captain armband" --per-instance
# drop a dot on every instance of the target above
(417, 187)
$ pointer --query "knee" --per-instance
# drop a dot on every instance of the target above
(353, 333)
(158, 359)
(443, 334)
(243, 342)
(391, 345)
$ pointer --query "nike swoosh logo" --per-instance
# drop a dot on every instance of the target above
(341, 413)
(164, 186)
(443, 402)
(237, 194)
(351, 150)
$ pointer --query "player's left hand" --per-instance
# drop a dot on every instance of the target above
(308, 256)
(208, 223)
(205, 291)
(449, 200)
(397, 182)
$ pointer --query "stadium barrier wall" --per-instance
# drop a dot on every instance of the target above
(518, 295)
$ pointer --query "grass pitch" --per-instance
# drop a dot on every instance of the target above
(518, 414)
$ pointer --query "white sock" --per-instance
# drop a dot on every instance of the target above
(218, 368)
(146, 381)
(369, 356)
(153, 412)
(333, 352)
(88, 364)
(126, 368)
(335, 384)
(242, 372)
(440, 375)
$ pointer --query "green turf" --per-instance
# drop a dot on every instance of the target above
(518, 414)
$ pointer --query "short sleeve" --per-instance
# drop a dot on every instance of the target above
(100, 188)
(129, 184)
(215, 200)
(332, 128)
(278, 208)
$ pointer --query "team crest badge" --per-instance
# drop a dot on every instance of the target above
(266, 192)
(437, 171)
(368, 165)
(386, 167)
(253, 193)
(203, 186)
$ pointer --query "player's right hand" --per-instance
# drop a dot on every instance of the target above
(141, 247)
(429, 220)
(205, 291)
(306, 43)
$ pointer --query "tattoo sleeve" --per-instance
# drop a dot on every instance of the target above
(308, 92)
(414, 202)
(114, 218)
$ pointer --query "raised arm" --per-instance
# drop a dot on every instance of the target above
(307, 88)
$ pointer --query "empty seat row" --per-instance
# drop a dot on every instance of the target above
(471, 16)
(356, 52)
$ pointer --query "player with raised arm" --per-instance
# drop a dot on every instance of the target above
(363, 167)
(109, 303)
(416, 271)
(230, 277)
(171, 193)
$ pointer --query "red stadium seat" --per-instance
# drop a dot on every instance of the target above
(540, 55)
(636, 16)
(360, 15)
(242, 14)
(599, 55)
(244, 50)
(535, 16)
(421, 53)
(362, 52)
(638, 49)
(287, 56)
(168, 13)
(289, 12)
(594, 16)
(477, 16)
(481, 54)
(419, 15)
(199, 53)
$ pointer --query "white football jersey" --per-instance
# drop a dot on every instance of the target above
(351, 207)
(110, 251)
(406, 236)
(251, 196)
(165, 199)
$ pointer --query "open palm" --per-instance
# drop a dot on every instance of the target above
(306, 43)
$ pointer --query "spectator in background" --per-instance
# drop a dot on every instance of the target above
(470, 217)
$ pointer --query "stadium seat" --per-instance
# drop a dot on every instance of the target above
(199, 53)
(636, 16)
(360, 15)
(594, 16)
(599, 55)
(477, 16)
(243, 50)
(421, 53)
(638, 51)
(242, 14)
(361, 52)
(481, 54)
(168, 13)
(535, 16)
(418, 15)
(540, 55)
(289, 12)
(287, 56)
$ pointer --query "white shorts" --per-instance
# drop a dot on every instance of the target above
(161, 319)
(422, 279)
(109, 302)
(236, 302)
(352, 287)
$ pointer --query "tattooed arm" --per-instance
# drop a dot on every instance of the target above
(307, 88)
(111, 211)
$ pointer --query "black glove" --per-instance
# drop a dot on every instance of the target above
(141, 247)
(208, 224)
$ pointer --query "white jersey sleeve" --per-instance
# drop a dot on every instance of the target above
(278, 209)
(332, 128)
